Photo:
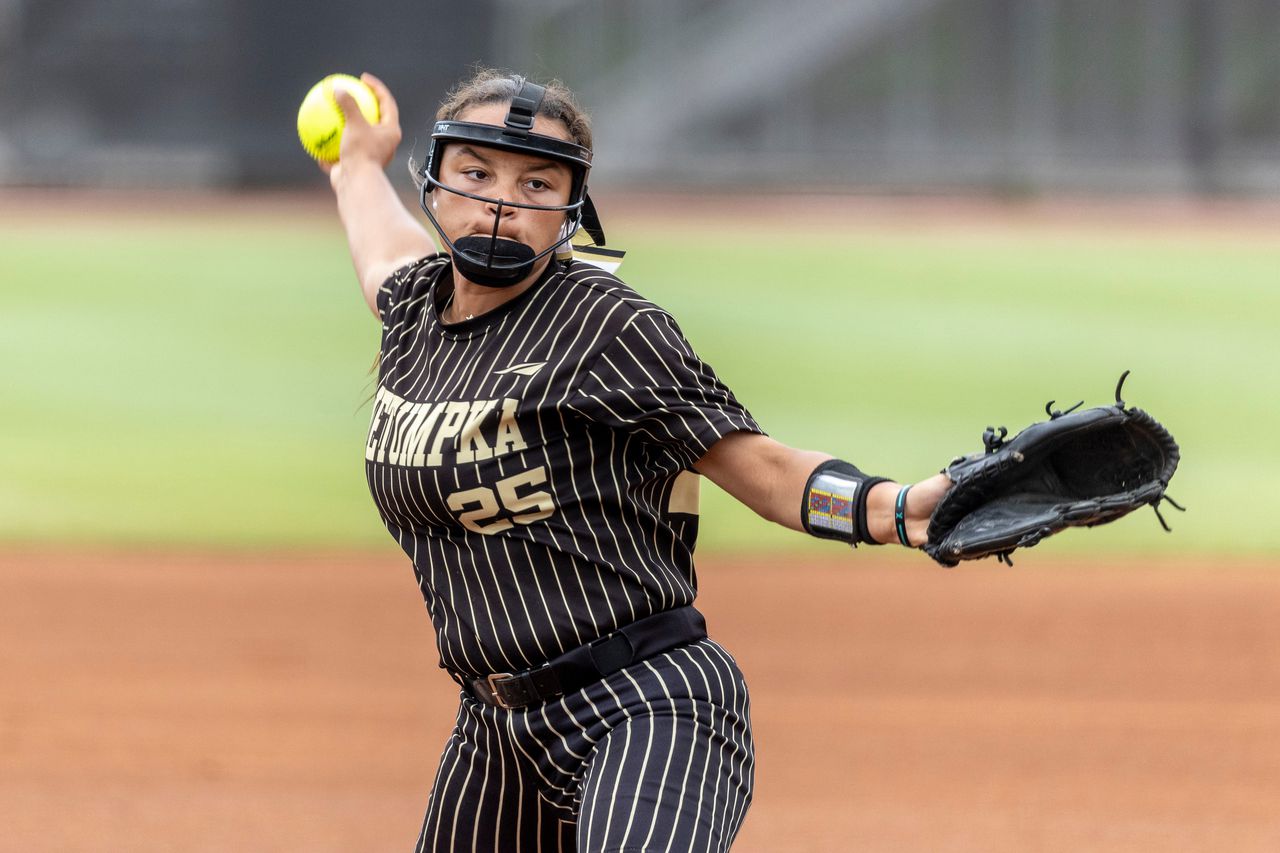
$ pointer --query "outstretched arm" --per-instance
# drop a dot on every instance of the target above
(381, 233)
(770, 478)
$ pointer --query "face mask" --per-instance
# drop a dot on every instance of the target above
(493, 261)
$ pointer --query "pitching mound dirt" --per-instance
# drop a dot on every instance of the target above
(226, 703)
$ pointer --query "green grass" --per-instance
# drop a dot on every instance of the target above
(182, 386)
(186, 384)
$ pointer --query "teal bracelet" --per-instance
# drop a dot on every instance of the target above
(900, 515)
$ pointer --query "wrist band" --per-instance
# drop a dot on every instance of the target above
(900, 515)
(835, 502)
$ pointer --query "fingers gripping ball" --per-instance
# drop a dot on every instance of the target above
(320, 119)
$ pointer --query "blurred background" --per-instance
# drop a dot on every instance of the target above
(1017, 96)
(1040, 192)
(887, 224)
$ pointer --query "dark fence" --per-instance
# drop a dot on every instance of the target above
(1019, 95)
(1006, 95)
(205, 92)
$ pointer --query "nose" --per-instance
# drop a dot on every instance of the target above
(500, 210)
(505, 192)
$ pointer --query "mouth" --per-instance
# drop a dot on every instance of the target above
(505, 250)
(488, 235)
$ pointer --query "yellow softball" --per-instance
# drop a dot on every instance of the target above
(320, 119)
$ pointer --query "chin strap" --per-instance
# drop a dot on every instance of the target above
(591, 221)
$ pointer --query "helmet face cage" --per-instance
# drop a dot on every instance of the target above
(573, 222)
(575, 156)
(514, 136)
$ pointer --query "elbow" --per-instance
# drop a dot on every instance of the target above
(779, 497)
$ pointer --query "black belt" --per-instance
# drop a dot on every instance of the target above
(579, 667)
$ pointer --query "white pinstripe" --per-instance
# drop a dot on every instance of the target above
(609, 741)
(619, 407)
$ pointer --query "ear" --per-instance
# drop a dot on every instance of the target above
(564, 247)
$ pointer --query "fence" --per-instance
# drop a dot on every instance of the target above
(1012, 95)
(1006, 94)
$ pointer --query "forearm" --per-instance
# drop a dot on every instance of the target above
(780, 477)
(381, 233)
(786, 500)
(770, 478)
(880, 522)
(766, 476)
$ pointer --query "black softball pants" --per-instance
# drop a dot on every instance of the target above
(656, 757)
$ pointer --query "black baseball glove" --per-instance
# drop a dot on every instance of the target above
(1077, 469)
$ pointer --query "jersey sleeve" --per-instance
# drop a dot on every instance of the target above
(649, 380)
(404, 284)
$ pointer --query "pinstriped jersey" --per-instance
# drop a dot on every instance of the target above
(534, 462)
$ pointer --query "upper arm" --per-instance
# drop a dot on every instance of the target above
(381, 233)
(399, 299)
(376, 276)
(648, 381)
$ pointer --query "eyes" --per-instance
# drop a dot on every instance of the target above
(478, 177)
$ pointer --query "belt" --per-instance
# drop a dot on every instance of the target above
(579, 667)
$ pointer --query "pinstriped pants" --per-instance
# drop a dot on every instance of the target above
(656, 757)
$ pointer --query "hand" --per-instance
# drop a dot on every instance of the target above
(364, 143)
(921, 500)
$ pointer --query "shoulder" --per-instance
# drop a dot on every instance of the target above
(409, 284)
(615, 304)
(422, 270)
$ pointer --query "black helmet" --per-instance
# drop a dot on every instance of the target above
(496, 261)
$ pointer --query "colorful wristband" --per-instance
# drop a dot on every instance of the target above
(900, 515)
(835, 502)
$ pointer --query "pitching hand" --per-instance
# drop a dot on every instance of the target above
(363, 142)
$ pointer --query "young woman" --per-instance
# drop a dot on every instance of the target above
(536, 438)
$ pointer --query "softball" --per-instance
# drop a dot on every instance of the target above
(320, 119)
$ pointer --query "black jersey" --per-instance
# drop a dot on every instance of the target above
(535, 462)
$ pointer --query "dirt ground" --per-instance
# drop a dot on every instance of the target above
(165, 702)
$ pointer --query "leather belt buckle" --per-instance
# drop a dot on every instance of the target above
(495, 690)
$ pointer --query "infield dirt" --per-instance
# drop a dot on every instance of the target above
(155, 702)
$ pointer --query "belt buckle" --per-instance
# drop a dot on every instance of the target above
(493, 690)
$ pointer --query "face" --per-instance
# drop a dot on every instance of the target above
(502, 175)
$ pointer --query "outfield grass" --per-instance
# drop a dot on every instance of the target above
(180, 383)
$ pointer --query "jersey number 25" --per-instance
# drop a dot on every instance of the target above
(522, 509)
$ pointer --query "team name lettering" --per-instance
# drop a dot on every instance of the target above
(426, 434)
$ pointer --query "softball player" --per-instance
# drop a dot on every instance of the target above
(535, 445)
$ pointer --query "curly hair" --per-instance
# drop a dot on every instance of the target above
(491, 86)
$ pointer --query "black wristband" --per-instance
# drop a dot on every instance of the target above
(835, 502)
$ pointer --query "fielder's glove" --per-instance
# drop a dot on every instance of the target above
(1077, 469)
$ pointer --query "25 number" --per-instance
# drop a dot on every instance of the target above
(524, 509)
